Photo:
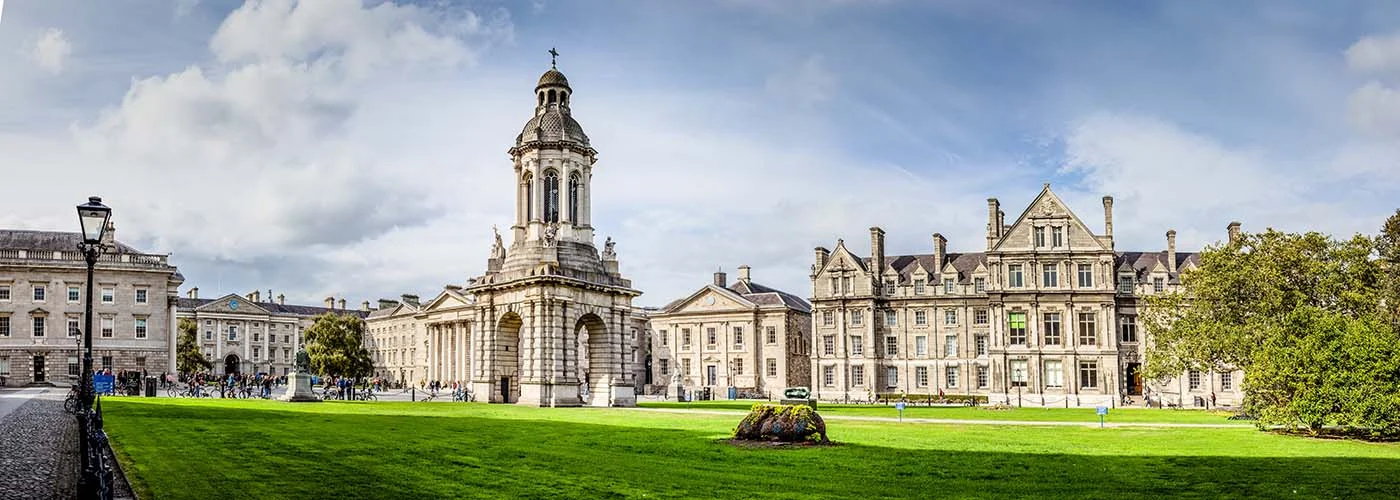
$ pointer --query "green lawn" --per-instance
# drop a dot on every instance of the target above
(208, 449)
(1134, 415)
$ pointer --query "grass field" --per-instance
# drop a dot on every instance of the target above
(1133, 415)
(207, 449)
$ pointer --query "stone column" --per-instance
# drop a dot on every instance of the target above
(174, 338)
(218, 341)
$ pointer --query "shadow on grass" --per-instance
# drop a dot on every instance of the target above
(175, 451)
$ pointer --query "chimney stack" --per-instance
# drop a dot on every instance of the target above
(330, 302)
(993, 222)
(1234, 231)
(719, 279)
(253, 297)
(1108, 216)
(1171, 251)
(940, 249)
(877, 251)
(281, 300)
(342, 303)
(194, 293)
(744, 273)
(364, 306)
(386, 303)
(1001, 223)
(409, 299)
(822, 254)
(109, 237)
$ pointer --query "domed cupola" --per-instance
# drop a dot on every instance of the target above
(552, 121)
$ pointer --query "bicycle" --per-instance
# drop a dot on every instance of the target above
(72, 404)
(366, 394)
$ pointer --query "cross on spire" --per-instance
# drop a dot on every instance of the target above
(553, 58)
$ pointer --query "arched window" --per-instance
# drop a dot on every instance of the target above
(551, 97)
(551, 197)
(541, 98)
(529, 197)
(573, 197)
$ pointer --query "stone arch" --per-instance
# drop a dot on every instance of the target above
(528, 184)
(574, 183)
(231, 364)
(505, 373)
(551, 196)
(594, 364)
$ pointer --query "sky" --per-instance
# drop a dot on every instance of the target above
(357, 149)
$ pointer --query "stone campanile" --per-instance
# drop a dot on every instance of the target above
(552, 306)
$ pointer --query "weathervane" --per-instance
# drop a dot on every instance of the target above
(553, 58)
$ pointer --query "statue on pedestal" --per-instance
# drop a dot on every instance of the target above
(608, 253)
(303, 363)
(498, 250)
(549, 232)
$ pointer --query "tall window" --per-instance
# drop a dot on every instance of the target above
(141, 294)
(1051, 276)
(979, 316)
(948, 285)
(108, 325)
(662, 336)
(846, 284)
(857, 318)
(1018, 373)
(828, 376)
(827, 318)
(950, 346)
(551, 197)
(1014, 278)
(685, 365)
(1057, 236)
(835, 286)
(891, 376)
(1127, 328)
(1225, 382)
(1088, 374)
(738, 366)
(685, 338)
(38, 326)
(829, 345)
(1193, 377)
(772, 367)
(109, 295)
(1016, 325)
(1039, 236)
(39, 291)
(891, 319)
(1088, 329)
(573, 197)
(979, 284)
(857, 347)
(891, 346)
(950, 316)
(1054, 374)
(950, 377)
(73, 329)
(1052, 328)
(1086, 275)
(1125, 284)
(710, 337)
(771, 335)
(982, 377)
(918, 287)
(232, 332)
(858, 375)
(140, 328)
(738, 337)
(921, 346)
(73, 294)
(5, 292)
(921, 376)
(981, 344)
(1159, 284)
(920, 318)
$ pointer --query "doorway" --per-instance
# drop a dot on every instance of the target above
(505, 389)
(38, 368)
(1134, 379)
(710, 375)
(231, 364)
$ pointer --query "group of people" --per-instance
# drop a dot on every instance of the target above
(230, 385)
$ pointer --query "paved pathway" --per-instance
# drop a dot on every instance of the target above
(38, 445)
(966, 421)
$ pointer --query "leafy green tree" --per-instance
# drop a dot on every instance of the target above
(335, 344)
(1388, 249)
(187, 355)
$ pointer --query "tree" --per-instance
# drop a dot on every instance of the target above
(187, 355)
(1388, 249)
(335, 344)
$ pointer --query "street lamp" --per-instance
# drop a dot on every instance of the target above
(93, 217)
(1020, 382)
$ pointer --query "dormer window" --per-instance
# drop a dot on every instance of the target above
(1159, 284)
(918, 287)
(1039, 236)
(948, 285)
(1125, 284)
(979, 284)
(1057, 237)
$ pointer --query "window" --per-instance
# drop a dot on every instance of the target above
(141, 328)
(1225, 382)
(257, 336)
(829, 345)
(141, 295)
(1016, 323)
(1088, 329)
(1159, 284)
(109, 295)
(108, 325)
(738, 366)
(857, 318)
(891, 346)
(38, 326)
(1014, 279)
(208, 322)
(1088, 374)
(1125, 284)
(950, 316)
(738, 337)
(950, 377)
(827, 319)
(574, 183)
(835, 286)
(257, 352)
(208, 335)
(1051, 275)
(979, 284)
(232, 333)
(921, 346)
(74, 329)
(889, 286)
(979, 316)
(921, 376)
(1193, 377)
(947, 285)
(828, 376)
(685, 338)
(5, 292)
(846, 285)
(1054, 374)
(73, 369)
(950, 345)
(981, 341)
(74, 295)
(918, 287)
(857, 347)
(710, 337)
(771, 335)
(107, 362)
(1018, 373)
(891, 319)
(772, 367)
(1052, 329)
(982, 377)
(661, 335)
(5, 366)
(891, 377)
(858, 375)
(1057, 236)
(1086, 275)
(685, 365)
(1039, 236)
(551, 197)
(1127, 328)
(663, 367)
(920, 318)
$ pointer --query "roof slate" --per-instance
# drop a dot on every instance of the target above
(275, 308)
(23, 239)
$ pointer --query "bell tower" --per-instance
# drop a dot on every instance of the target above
(553, 169)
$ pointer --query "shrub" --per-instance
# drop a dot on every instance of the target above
(784, 423)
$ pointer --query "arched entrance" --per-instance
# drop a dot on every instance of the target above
(231, 364)
(507, 360)
(594, 369)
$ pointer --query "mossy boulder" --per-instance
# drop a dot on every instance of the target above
(783, 423)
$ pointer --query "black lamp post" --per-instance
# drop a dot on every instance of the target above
(94, 482)
(1020, 382)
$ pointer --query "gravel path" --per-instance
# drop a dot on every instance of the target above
(38, 449)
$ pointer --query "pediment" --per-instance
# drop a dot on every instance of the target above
(232, 303)
(712, 298)
(1048, 208)
(842, 259)
(447, 299)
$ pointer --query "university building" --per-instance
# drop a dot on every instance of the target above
(249, 335)
(1046, 315)
(43, 288)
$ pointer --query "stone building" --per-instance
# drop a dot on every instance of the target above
(42, 298)
(395, 341)
(547, 323)
(246, 334)
(1045, 315)
(743, 335)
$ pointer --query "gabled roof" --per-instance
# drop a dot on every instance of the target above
(446, 294)
(732, 295)
(22, 239)
(188, 304)
(1142, 263)
(1047, 199)
(843, 253)
(965, 263)
(765, 296)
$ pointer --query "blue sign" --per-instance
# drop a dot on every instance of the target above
(899, 406)
(1102, 410)
(233, 304)
(102, 384)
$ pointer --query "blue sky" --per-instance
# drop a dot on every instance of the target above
(356, 149)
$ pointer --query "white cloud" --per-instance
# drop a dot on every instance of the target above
(51, 50)
(810, 82)
(1375, 54)
(1374, 110)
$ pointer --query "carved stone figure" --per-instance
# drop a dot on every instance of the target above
(498, 251)
(608, 253)
(549, 232)
(303, 361)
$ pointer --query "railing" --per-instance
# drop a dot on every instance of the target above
(106, 260)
